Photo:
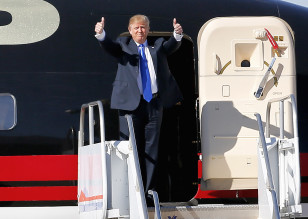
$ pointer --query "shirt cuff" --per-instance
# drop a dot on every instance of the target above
(178, 37)
(101, 36)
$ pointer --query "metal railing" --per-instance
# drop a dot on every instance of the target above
(295, 136)
(157, 214)
(281, 106)
(135, 163)
(268, 167)
(288, 151)
(90, 107)
(133, 159)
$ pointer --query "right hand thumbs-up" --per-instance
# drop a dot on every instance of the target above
(100, 26)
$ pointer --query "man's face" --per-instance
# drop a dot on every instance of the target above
(139, 31)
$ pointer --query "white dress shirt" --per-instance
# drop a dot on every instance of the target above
(151, 70)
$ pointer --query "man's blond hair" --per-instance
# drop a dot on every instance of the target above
(139, 18)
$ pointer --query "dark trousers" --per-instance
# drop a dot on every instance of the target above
(147, 120)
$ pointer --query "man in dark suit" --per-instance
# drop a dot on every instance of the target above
(143, 86)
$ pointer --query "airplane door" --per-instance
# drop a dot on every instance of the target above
(234, 55)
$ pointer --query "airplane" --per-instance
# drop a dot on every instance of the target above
(51, 64)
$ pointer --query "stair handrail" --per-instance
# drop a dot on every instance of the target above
(91, 141)
(294, 113)
(133, 147)
(296, 138)
(157, 214)
(268, 167)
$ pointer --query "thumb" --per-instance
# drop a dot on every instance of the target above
(103, 20)
(174, 22)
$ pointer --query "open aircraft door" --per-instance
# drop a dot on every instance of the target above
(235, 82)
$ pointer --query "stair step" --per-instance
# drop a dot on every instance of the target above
(212, 211)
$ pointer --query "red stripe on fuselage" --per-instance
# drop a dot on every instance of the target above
(48, 193)
(304, 164)
(65, 167)
(39, 168)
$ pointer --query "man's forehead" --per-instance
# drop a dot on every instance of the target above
(140, 23)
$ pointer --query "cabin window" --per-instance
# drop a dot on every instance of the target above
(8, 111)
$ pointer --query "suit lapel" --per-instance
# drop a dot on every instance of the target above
(132, 47)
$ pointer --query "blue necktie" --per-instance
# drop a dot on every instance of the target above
(145, 75)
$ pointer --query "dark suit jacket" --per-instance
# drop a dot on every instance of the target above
(125, 93)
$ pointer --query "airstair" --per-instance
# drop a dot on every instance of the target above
(235, 93)
(279, 189)
(110, 184)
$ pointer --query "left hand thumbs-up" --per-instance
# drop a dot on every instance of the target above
(177, 27)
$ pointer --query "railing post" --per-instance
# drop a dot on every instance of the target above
(91, 141)
(268, 167)
(296, 151)
(143, 214)
(156, 204)
(287, 155)
(281, 115)
(91, 125)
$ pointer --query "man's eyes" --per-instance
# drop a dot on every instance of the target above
(136, 28)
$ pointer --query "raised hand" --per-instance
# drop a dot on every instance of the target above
(177, 27)
(99, 27)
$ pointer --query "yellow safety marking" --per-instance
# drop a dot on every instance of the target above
(273, 72)
(226, 65)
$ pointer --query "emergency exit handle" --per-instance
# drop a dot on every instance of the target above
(259, 92)
(262, 84)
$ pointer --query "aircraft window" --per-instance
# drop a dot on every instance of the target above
(8, 111)
(5, 18)
(245, 63)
